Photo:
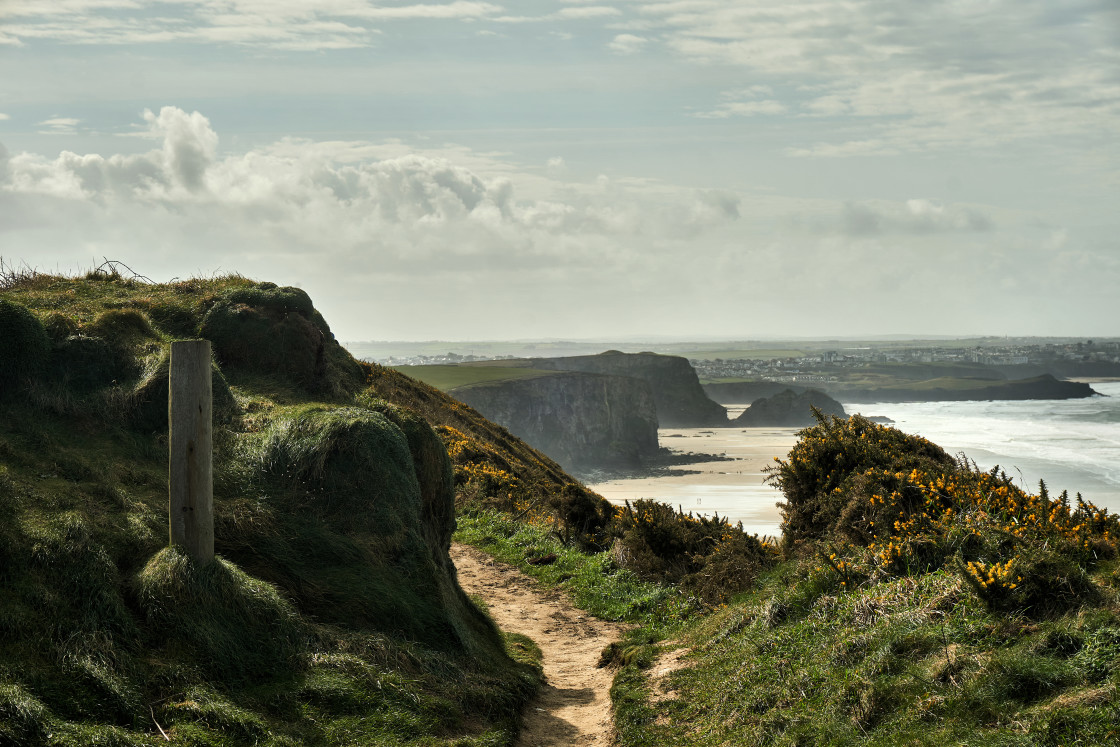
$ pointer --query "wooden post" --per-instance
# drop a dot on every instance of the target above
(191, 469)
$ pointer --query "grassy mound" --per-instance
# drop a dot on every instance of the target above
(331, 615)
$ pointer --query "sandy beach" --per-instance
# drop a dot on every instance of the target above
(732, 488)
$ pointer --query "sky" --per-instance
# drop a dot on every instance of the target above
(582, 169)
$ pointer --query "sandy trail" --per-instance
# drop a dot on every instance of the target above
(573, 707)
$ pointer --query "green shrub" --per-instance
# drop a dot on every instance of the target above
(355, 463)
(706, 555)
(818, 477)
(434, 474)
(585, 518)
(84, 364)
(1035, 580)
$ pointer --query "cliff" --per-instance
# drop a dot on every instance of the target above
(789, 409)
(677, 394)
(579, 419)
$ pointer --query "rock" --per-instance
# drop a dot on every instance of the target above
(789, 409)
(580, 420)
(679, 398)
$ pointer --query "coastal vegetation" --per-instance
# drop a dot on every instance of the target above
(911, 597)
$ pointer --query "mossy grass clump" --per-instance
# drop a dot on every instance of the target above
(272, 330)
(355, 463)
(23, 345)
(236, 628)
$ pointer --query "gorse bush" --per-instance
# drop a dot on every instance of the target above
(897, 505)
(704, 555)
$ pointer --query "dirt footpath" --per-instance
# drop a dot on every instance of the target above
(573, 707)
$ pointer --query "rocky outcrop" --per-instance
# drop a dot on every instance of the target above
(580, 420)
(680, 400)
(737, 392)
(789, 409)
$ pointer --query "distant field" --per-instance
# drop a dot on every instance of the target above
(948, 383)
(449, 377)
(759, 354)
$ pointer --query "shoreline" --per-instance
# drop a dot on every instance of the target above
(733, 486)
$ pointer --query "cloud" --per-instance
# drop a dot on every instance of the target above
(59, 125)
(397, 242)
(745, 102)
(913, 217)
(189, 145)
(571, 13)
(359, 208)
(912, 78)
(556, 166)
(278, 24)
(627, 44)
(4, 117)
(455, 10)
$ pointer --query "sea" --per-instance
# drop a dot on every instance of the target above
(1072, 445)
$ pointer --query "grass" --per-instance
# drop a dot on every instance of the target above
(912, 661)
(449, 377)
(329, 617)
(593, 581)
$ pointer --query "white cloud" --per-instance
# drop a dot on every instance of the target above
(916, 78)
(279, 24)
(627, 44)
(577, 13)
(591, 11)
(371, 215)
(913, 217)
(457, 10)
(398, 242)
(4, 117)
(744, 109)
(59, 125)
(556, 166)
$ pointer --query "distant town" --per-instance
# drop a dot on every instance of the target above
(822, 367)
(813, 362)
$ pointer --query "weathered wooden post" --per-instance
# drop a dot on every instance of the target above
(191, 470)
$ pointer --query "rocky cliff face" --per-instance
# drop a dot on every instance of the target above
(581, 420)
(789, 409)
(680, 400)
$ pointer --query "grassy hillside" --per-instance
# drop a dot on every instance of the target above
(331, 616)
(920, 601)
(449, 377)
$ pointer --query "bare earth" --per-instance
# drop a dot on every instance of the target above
(573, 707)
